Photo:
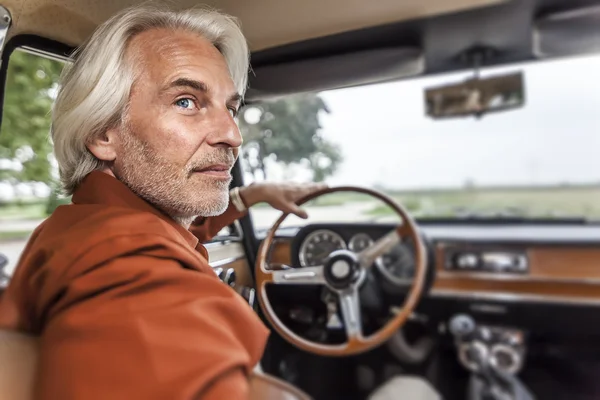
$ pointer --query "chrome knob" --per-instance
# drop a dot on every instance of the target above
(219, 272)
(467, 261)
(230, 277)
(462, 325)
(506, 358)
(473, 355)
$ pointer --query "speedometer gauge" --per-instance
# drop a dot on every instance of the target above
(317, 247)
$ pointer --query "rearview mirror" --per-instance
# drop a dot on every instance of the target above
(476, 97)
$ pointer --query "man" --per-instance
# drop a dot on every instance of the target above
(115, 285)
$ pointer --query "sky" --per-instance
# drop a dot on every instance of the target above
(386, 139)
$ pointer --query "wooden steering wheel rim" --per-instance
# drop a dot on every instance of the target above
(354, 345)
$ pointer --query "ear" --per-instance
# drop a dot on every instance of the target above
(105, 146)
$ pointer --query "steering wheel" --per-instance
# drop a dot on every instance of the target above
(343, 273)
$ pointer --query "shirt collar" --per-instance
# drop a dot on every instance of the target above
(100, 188)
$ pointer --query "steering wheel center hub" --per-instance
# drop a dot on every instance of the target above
(341, 269)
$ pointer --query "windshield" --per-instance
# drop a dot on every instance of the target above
(539, 161)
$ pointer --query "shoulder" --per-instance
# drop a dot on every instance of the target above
(96, 248)
(79, 237)
(98, 222)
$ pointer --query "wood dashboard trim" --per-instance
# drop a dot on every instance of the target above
(513, 298)
(281, 252)
(556, 273)
(514, 277)
(565, 263)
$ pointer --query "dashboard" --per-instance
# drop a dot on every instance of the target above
(517, 274)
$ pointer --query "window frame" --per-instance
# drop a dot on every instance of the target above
(32, 44)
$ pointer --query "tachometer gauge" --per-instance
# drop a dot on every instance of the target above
(317, 247)
(359, 242)
(398, 266)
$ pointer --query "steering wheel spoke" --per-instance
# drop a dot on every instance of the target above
(367, 257)
(299, 276)
(350, 306)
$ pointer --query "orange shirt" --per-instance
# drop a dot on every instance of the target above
(126, 305)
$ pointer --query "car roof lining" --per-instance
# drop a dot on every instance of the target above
(299, 67)
(266, 23)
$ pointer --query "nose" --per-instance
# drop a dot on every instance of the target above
(225, 132)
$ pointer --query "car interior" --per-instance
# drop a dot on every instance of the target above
(460, 303)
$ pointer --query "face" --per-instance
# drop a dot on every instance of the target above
(178, 140)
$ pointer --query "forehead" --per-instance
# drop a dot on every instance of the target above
(163, 54)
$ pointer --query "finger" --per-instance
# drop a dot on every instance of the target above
(294, 209)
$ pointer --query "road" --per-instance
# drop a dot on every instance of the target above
(262, 217)
(19, 225)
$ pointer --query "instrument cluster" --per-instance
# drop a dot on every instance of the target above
(397, 266)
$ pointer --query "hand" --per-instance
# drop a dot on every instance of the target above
(281, 196)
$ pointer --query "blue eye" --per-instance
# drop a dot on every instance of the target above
(186, 103)
(233, 112)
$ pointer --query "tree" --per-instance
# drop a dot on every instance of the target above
(24, 136)
(288, 131)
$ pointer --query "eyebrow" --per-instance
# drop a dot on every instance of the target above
(185, 82)
(235, 98)
(200, 87)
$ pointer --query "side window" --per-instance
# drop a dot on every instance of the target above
(284, 140)
(28, 171)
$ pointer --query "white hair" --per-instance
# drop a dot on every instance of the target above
(94, 90)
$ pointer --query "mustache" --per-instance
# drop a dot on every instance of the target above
(217, 157)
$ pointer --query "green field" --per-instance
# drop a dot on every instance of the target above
(556, 201)
(14, 235)
(563, 201)
(23, 211)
